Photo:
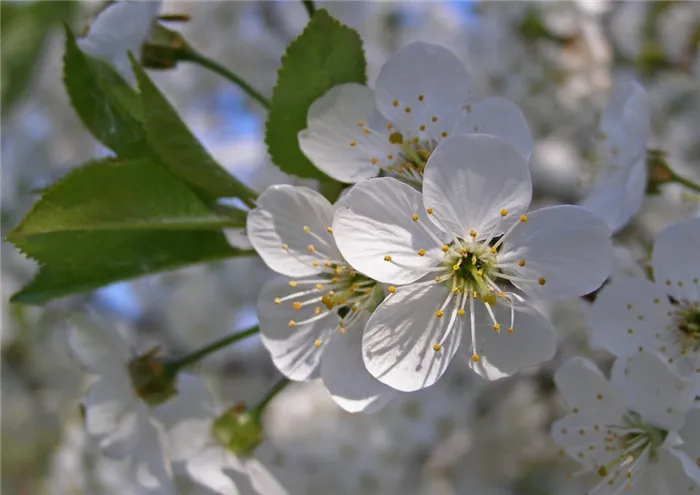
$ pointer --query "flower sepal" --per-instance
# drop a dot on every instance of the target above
(163, 49)
(239, 430)
(153, 381)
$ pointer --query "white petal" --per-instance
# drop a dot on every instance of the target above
(187, 418)
(625, 122)
(150, 466)
(498, 117)
(282, 213)
(98, 346)
(618, 198)
(681, 474)
(213, 468)
(293, 348)
(262, 480)
(676, 259)
(428, 70)
(333, 126)
(629, 313)
(587, 393)
(652, 389)
(345, 375)
(469, 179)
(377, 222)
(691, 434)
(567, 246)
(533, 341)
(112, 415)
(397, 345)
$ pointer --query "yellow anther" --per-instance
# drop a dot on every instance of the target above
(496, 327)
(296, 305)
(421, 252)
(489, 299)
(541, 281)
(342, 329)
(360, 123)
(329, 230)
(415, 217)
(438, 279)
(317, 343)
(310, 248)
(387, 258)
(292, 323)
(389, 156)
(365, 131)
(473, 260)
(395, 103)
(334, 280)
(510, 330)
(430, 211)
(437, 347)
(523, 218)
(278, 300)
(439, 313)
(396, 138)
(317, 310)
(521, 263)
(319, 286)
(407, 109)
(493, 250)
(443, 134)
(353, 144)
(314, 264)
(501, 294)
(475, 358)
(327, 263)
(463, 251)
(472, 233)
(475, 294)
(455, 267)
(292, 283)
(422, 128)
(503, 212)
(445, 248)
(391, 289)
(461, 312)
(388, 127)
(285, 246)
(434, 119)
(373, 161)
(420, 97)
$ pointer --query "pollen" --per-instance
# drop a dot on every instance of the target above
(541, 281)
(422, 128)
(395, 103)
(292, 283)
(421, 252)
(306, 229)
(285, 247)
(365, 131)
(360, 123)
(496, 327)
(455, 267)
(430, 211)
(521, 263)
(493, 250)
(434, 119)
(373, 161)
(317, 343)
(461, 312)
(510, 330)
(445, 248)
(472, 233)
(387, 258)
(415, 217)
(389, 156)
(327, 263)
(353, 144)
(314, 263)
(407, 109)
(310, 248)
(341, 329)
(329, 230)
(439, 313)
(437, 347)
(292, 323)
(391, 289)
(503, 212)
(475, 358)
(278, 300)
(421, 97)
(523, 218)
(443, 134)
(319, 286)
(388, 127)
(396, 138)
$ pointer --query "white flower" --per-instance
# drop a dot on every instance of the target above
(421, 96)
(195, 450)
(313, 324)
(120, 28)
(632, 314)
(121, 422)
(617, 194)
(630, 431)
(470, 233)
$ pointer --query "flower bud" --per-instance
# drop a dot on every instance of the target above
(152, 380)
(238, 430)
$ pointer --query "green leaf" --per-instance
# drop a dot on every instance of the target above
(24, 28)
(114, 220)
(179, 149)
(324, 55)
(107, 105)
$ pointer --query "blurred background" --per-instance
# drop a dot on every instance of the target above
(556, 60)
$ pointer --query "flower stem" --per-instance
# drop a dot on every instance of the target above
(684, 181)
(258, 410)
(310, 7)
(193, 56)
(192, 358)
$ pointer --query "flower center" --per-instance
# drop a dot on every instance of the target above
(684, 330)
(688, 321)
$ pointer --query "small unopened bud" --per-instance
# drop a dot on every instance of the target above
(238, 430)
(153, 382)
